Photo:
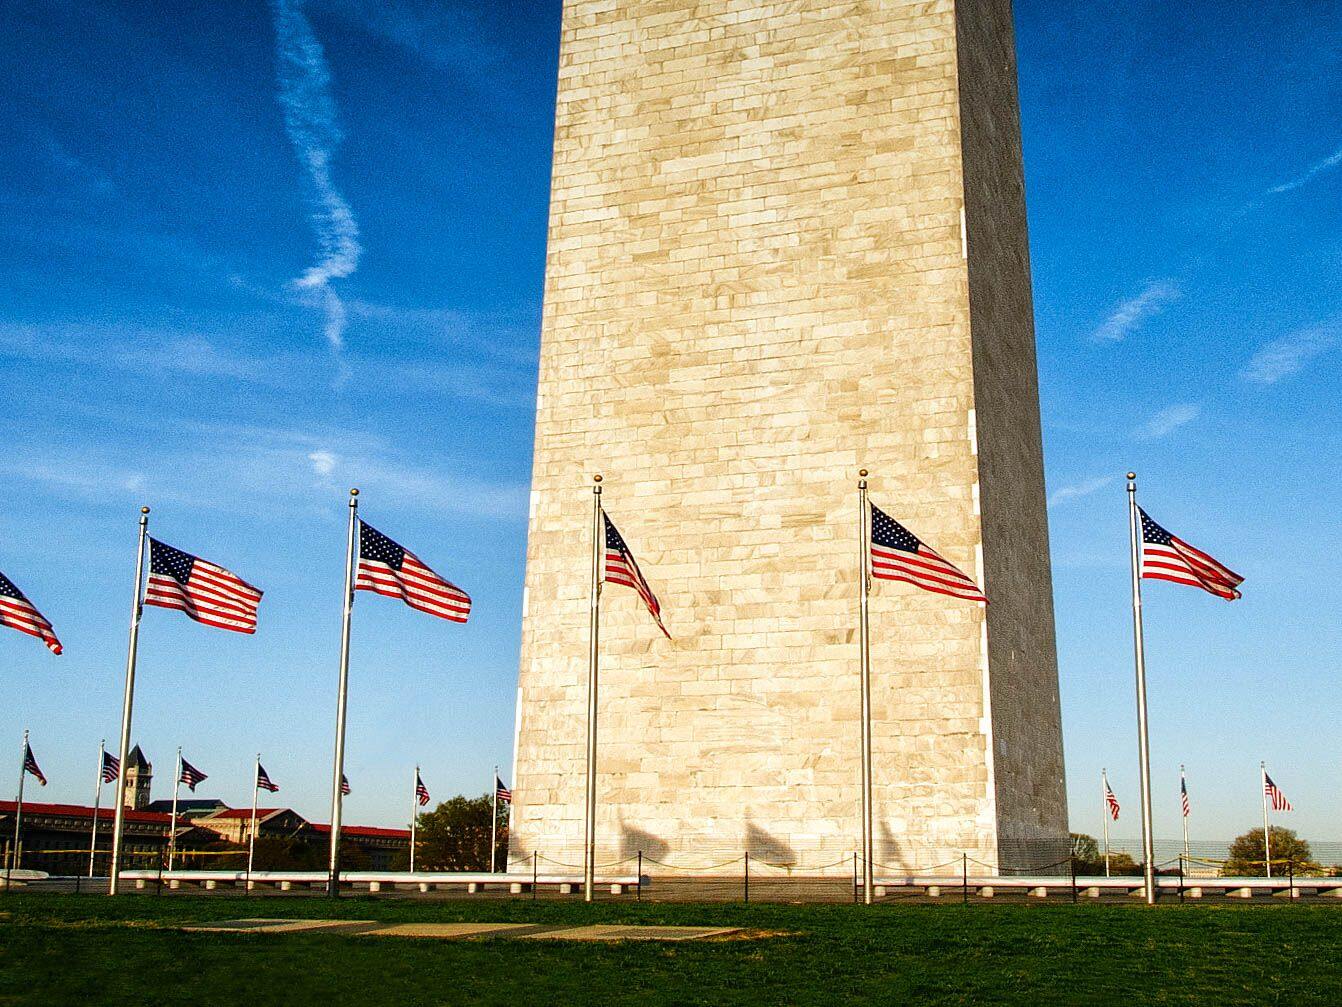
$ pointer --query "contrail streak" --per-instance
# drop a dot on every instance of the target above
(310, 121)
(1327, 164)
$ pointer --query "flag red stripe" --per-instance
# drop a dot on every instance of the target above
(947, 578)
(22, 616)
(164, 592)
(165, 586)
(416, 580)
(621, 569)
(386, 577)
(385, 582)
(961, 593)
(225, 579)
(1166, 558)
(959, 586)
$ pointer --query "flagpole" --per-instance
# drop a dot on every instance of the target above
(333, 877)
(494, 824)
(13, 861)
(1183, 796)
(1267, 833)
(864, 643)
(172, 826)
(414, 816)
(1104, 817)
(127, 704)
(97, 803)
(589, 823)
(251, 836)
(1143, 741)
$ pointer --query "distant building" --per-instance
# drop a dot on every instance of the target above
(139, 777)
(234, 825)
(188, 808)
(55, 837)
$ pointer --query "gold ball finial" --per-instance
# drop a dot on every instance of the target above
(862, 473)
(144, 510)
(354, 492)
(1132, 475)
(596, 478)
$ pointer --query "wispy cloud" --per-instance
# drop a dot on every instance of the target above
(1077, 490)
(1330, 162)
(503, 383)
(224, 467)
(310, 120)
(1168, 420)
(1131, 314)
(133, 348)
(323, 462)
(1284, 357)
(453, 35)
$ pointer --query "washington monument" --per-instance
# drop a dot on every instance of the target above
(788, 241)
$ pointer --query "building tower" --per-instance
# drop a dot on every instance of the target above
(788, 241)
(139, 773)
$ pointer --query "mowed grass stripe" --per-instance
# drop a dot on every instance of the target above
(92, 950)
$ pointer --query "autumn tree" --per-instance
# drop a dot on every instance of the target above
(455, 835)
(1290, 854)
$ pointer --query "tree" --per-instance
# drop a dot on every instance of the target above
(1088, 858)
(1290, 854)
(1085, 849)
(455, 835)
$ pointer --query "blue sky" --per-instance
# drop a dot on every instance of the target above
(255, 254)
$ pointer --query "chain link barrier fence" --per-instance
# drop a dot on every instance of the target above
(764, 872)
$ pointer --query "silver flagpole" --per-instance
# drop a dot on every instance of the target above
(172, 827)
(338, 770)
(1143, 741)
(1183, 792)
(1267, 831)
(97, 804)
(1104, 817)
(494, 824)
(13, 863)
(414, 816)
(251, 835)
(864, 642)
(127, 704)
(589, 824)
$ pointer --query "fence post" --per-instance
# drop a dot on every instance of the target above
(640, 875)
(1071, 859)
(535, 875)
(854, 877)
(1181, 878)
(964, 878)
(747, 875)
(1290, 871)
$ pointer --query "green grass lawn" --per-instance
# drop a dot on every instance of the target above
(58, 949)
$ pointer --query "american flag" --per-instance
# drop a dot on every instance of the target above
(205, 592)
(1183, 796)
(111, 768)
(1275, 797)
(501, 792)
(30, 765)
(1110, 801)
(1168, 557)
(388, 568)
(344, 785)
(17, 612)
(263, 780)
(898, 554)
(421, 791)
(622, 569)
(191, 776)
